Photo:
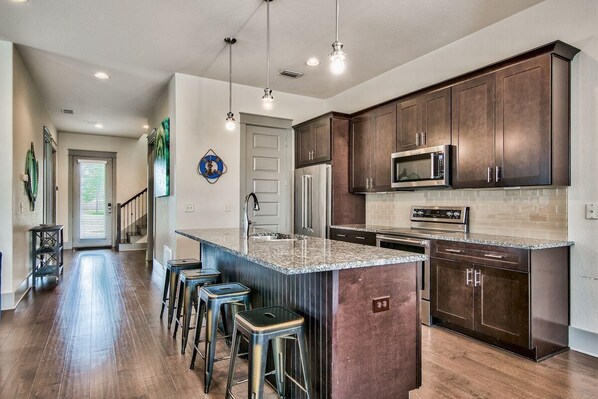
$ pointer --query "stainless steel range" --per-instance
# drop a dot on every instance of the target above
(425, 221)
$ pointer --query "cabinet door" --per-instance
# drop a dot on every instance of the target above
(523, 130)
(452, 292)
(304, 144)
(362, 140)
(385, 137)
(502, 304)
(436, 117)
(473, 133)
(321, 132)
(408, 125)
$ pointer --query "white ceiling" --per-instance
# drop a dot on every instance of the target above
(141, 43)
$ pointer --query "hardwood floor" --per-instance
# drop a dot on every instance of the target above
(98, 334)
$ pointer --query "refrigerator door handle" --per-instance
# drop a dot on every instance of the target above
(303, 189)
(309, 210)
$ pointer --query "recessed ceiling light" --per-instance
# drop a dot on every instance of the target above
(102, 75)
(146, 126)
(98, 126)
(312, 61)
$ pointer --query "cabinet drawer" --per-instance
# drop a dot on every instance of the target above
(500, 257)
(357, 237)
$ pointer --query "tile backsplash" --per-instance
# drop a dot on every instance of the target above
(523, 212)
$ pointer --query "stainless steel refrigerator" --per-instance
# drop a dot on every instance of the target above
(313, 187)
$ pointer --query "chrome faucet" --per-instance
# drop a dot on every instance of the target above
(246, 221)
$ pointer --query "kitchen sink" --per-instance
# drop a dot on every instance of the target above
(276, 237)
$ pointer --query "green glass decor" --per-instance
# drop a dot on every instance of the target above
(162, 160)
(32, 172)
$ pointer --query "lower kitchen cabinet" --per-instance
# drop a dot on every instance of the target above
(354, 236)
(517, 299)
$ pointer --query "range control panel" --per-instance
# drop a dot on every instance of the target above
(439, 214)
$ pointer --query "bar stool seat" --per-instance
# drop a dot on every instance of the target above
(259, 327)
(190, 280)
(211, 299)
(173, 269)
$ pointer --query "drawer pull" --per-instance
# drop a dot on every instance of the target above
(493, 256)
(341, 235)
(455, 251)
(360, 237)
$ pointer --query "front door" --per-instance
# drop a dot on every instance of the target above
(92, 202)
(268, 175)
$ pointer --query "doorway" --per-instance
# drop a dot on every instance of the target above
(266, 151)
(92, 199)
(49, 178)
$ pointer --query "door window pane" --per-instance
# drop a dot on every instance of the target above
(93, 200)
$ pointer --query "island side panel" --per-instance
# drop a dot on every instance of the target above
(376, 355)
(307, 294)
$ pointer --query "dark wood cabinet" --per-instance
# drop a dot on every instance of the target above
(353, 236)
(312, 142)
(373, 140)
(514, 298)
(473, 133)
(424, 121)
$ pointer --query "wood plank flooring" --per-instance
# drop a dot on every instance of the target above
(98, 335)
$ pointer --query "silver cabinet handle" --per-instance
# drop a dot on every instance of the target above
(418, 140)
(424, 138)
(489, 175)
(455, 251)
(494, 256)
(360, 237)
(498, 176)
(476, 278)
(468, 276)
(341, 235)
(371, 182)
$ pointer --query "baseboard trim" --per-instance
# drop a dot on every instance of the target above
(10, 300)
(159, 264)
(583, 341)
(68, 245)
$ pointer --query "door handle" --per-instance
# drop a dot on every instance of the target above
(109, 208)
(417, 140)
(468, 276)
(498, 174)
(476, 278)
(489, 175)
(424, 138)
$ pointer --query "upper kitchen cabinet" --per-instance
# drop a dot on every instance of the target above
(424, 121)
(373, 140)
(312, 141)
(511, 126)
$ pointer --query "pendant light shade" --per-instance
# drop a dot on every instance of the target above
(267, 99)
(230, 117)
(337, 57)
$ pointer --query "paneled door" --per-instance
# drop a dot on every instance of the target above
(92, 202)
(268, 175)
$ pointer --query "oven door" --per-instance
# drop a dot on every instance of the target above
(411, 245)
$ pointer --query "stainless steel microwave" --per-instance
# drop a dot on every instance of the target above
(426, 167)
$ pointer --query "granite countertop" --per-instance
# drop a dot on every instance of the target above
(302, 254)
(472, 238)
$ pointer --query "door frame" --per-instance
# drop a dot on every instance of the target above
(71, 217)
(271, 122)
(49, 187)
(151, 220)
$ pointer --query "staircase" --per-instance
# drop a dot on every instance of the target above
(131, 223)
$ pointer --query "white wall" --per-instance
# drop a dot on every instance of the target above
(574, 22)
(201, 107)
(29, 117)
(6, 166)
(131, 169)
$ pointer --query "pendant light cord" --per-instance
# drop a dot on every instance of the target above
(268, 43)
(337, 10)
(230, 77)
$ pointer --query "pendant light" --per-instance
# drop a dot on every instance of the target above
(267, 99)
(337, 57)
(230, 119)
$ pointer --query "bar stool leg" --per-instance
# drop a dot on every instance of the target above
(304, 362)
(258, 354)
(188, 307)
(210, 351)
(179, 307)
(165, 293)
(198, 323)
(233, 359)
(278, 350)
(173, 280)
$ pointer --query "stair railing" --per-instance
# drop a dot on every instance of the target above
(129, 216)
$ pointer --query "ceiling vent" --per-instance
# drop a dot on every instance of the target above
(291, 74)
(67, 111)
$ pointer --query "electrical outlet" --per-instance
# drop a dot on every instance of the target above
(381, 304)
(189, 208)
(592, 211)
(226, 207)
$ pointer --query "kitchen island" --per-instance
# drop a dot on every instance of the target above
(355, 350)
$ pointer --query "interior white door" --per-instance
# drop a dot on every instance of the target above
(268, 175)
(92, 202)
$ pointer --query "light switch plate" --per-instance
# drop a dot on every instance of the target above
(189, 208)
(226, 207)
(592, 211)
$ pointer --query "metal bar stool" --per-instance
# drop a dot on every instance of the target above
(211, 299)
(259, 327)
(173, 268)
(190, 281)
